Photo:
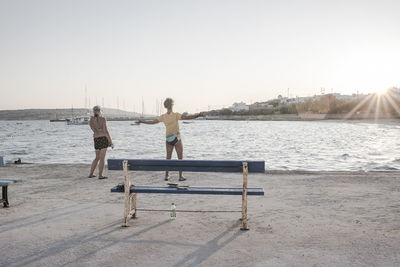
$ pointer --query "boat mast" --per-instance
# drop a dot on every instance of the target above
(142, 107)
(86, 99)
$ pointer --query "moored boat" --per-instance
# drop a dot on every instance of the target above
(78, 121)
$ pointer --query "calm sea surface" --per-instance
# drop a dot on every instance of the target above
(284, 145)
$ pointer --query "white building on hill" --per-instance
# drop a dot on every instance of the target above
(239, 106)
(345, 97)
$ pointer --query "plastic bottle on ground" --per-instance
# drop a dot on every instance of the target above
(173, 211)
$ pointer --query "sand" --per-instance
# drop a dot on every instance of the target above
(58, 217)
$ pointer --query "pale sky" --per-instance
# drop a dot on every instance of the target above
(204, 54)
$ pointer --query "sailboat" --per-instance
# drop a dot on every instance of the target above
(57, 119)
(141, 116)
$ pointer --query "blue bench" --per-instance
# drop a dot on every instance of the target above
(4, 182)
(184, 165)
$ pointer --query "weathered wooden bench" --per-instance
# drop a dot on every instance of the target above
(189, 166)
(4, 182)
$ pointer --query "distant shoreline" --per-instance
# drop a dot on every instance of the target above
(302, 117)
(235, 118)
(62, 114)
(119, 115)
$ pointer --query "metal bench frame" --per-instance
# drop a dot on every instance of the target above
(4, 196)
(4, 190)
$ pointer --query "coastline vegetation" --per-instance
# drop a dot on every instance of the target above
(387, 104)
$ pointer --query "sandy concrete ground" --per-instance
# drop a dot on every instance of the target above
(58, 217)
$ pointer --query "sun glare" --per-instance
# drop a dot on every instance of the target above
(381, 103)
(381, 91)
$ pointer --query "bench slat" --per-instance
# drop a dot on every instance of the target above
(191, 190)
(186, 165)
(13, 180)
(7, 181)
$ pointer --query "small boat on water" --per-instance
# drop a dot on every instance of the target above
(78, 121)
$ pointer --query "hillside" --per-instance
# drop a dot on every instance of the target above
(51, 114)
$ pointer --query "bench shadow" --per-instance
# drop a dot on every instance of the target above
(49, 216)
(103, 234)
(209, 248)
(114, 241)
(202, 253)
(66, 244)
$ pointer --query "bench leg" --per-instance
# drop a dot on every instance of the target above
(130, 199)
(133, 205)
(4, 198)
(130, 209)
(244, 198)
(127, 189)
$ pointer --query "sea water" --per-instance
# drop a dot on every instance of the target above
(284, 145)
